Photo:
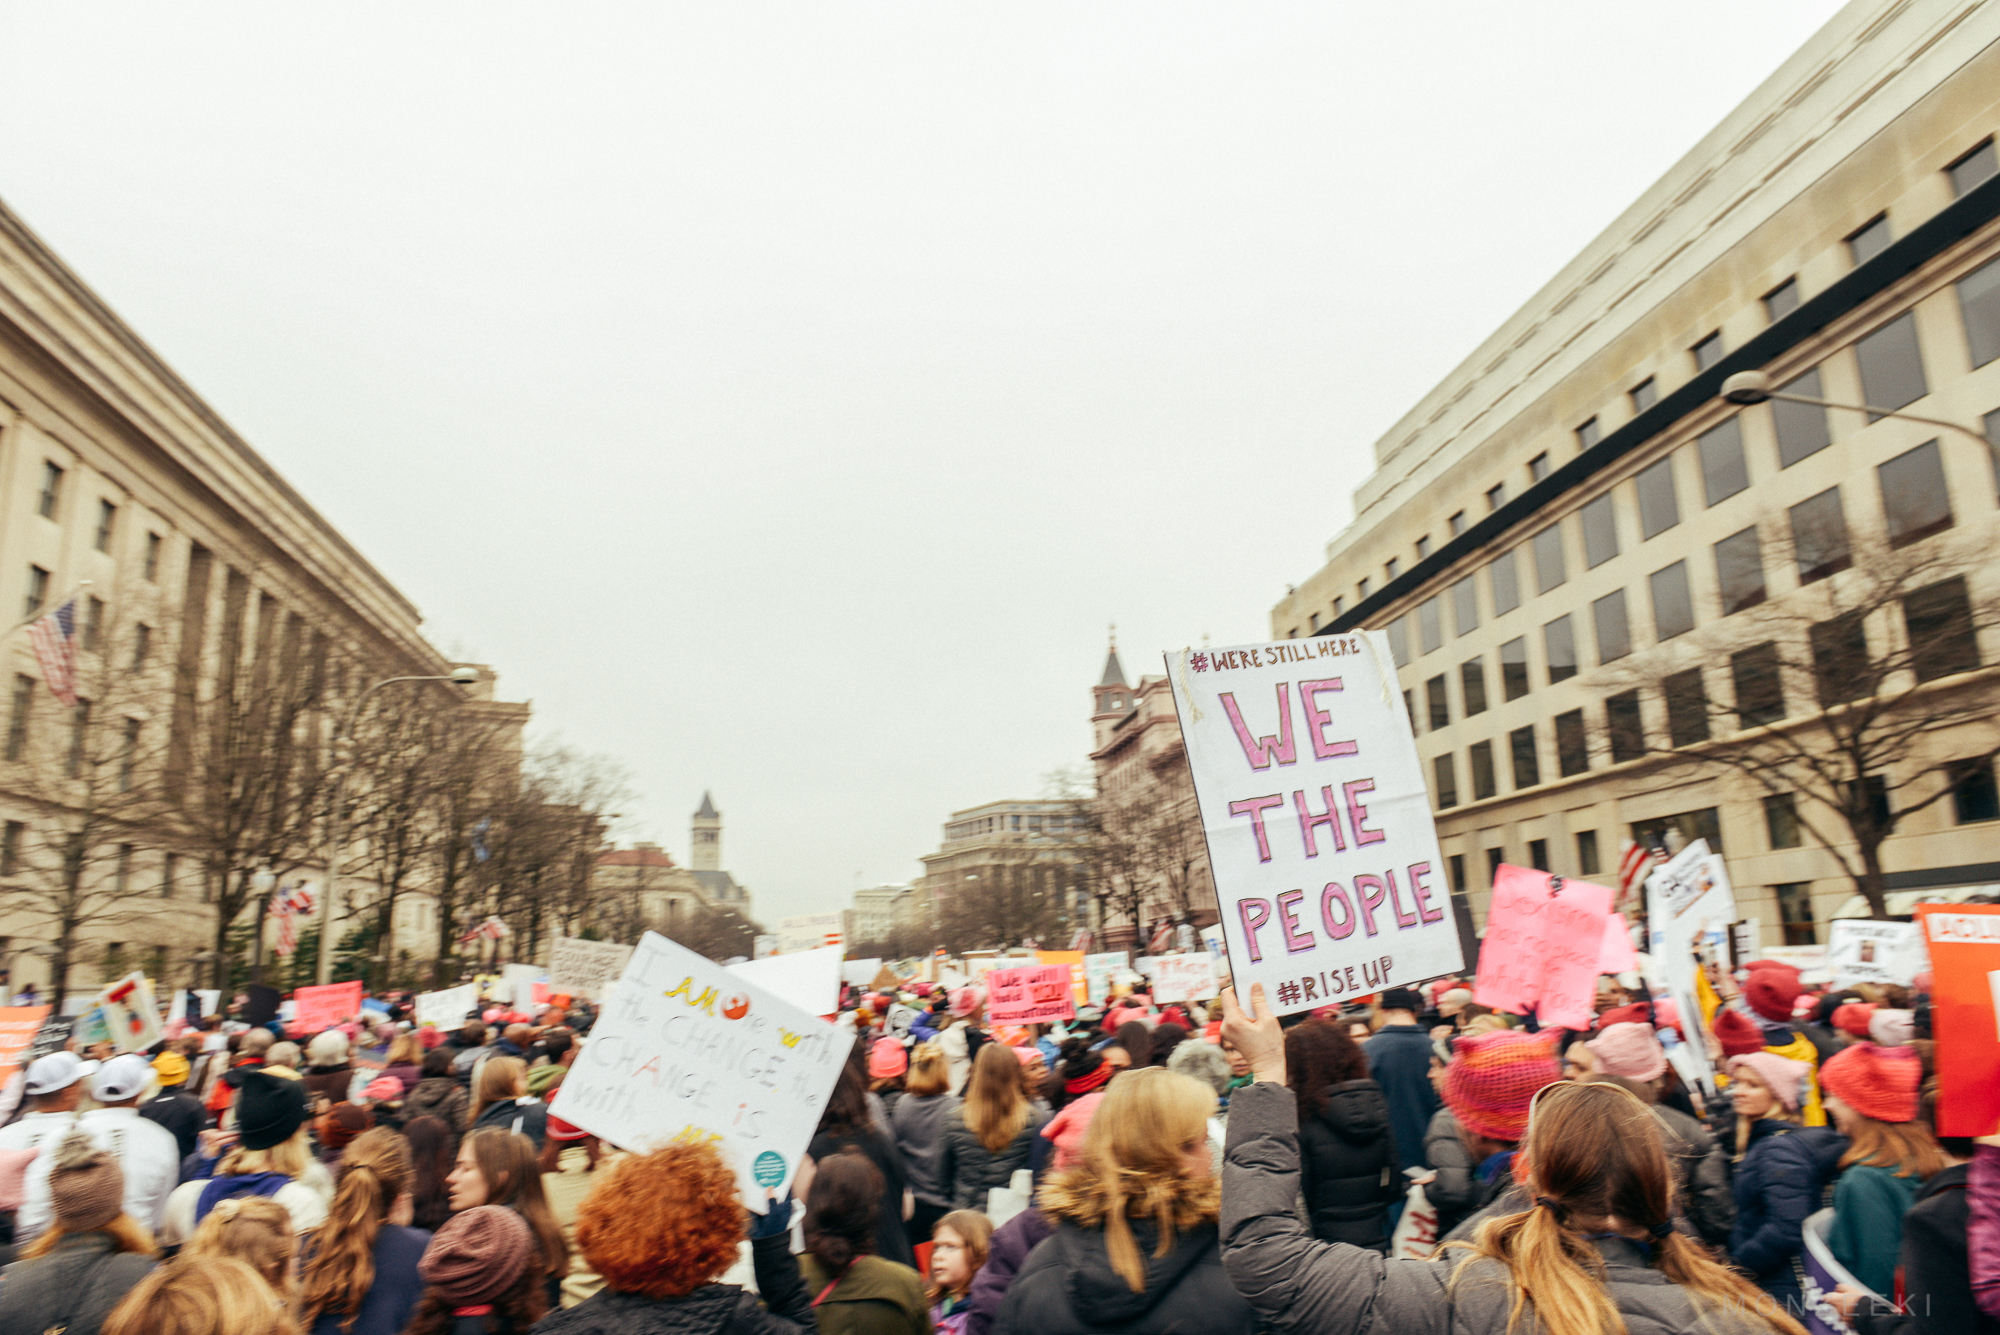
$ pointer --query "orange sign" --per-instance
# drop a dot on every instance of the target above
(1964, 941)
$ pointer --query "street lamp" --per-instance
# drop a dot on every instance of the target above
(1748, 387)
(343, 761)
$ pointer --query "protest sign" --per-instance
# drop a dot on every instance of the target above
(19, 1027)
(322, 1007)
(520, 980)
(808, 931)
(53, 1036)
(1822, 1273)
(859, 973)
(1859, 950)
(131, 1016)
(92, 1028)
(1098, 971)
(1037, 994)
(688, 1050)
(1320, 839)
(447, 1009)
(177, 1007)
(1544, 942)
(1689, 908)
(809, 980)
(586, 968)
(1079, 990)
(1617, 955)
(1184, 978)
(1964, 941)
(211, 1000)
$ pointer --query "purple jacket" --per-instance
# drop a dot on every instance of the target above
(1982, 1231)
(1005, 1256)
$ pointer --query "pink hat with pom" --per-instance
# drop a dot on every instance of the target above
(1629, 1050)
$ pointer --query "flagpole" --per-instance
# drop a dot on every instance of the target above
(42, 610)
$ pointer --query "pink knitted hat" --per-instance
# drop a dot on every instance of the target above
(1784, 1077)
(1629, 1050)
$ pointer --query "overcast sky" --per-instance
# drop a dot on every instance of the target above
(785, 397)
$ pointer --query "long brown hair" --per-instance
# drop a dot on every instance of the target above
(1319, 1055)
(1134, 1146)
(518, 1308)
(1907, 1147)
(375, 1170)
(1593, 1152)
(508, 1162)
(253, 1229)
(995, 1107)
(130, 1235)
(201, 1295)
(977, 1232)
(930, 1072)
(500, 1079)
(406, 1050)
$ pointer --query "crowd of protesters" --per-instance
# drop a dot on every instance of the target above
(1413, 1162)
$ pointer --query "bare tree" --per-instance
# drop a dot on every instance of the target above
(720, 932)
(474, 771)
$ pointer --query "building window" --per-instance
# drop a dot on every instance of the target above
(1614, 632)
(1795, 910)
(38, 591)
(1723, 471)
(1399, 640)
(1801, 428)
(1361, 590)
(1464, 607)
(1494, 857)
(1840, 658)
(142, 644)
(1913, 494)
(1527, 768)
(1430, 624)
(1472, 685)
(1447, 781)
(1689, 825)
(1739, 571)
(51, 497)
(167, 868)
(93, 623)
(79, 736)
(1974, 796)
(1687, 708)
(1871, 239)
(1938, 618)
(128, 755)
(1538, 854)
(1707, 352)
(1560, 642)
(1781, 820)
(1873, 790)
(10, 847)
(1496, 496)
(1538, 467)
(1645, 394)
(121, 872)
(1819, 536)
(1972, 169)
(1437, 703)
(1673, 604)
(1600, 532)
(1513, 668)
(1483, 783)
(1979, 308)
(1312, 624)
(1410, 708)
(1548, 545)
(1390, 569)
(1339, 605)
(1781, 300)
(1572, 744)
(1456, 864)
(152, 557)
(1759, 685)
(1423, 547)
(17, 722)
(1456, 523)
(1589, 434)
(107, 517)
(1504, 582)
(1892, 365)
(1659, 510)
(1624, 727)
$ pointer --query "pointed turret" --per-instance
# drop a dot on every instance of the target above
(706, 852)
(1111, 695)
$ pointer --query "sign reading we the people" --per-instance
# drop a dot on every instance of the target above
(1325, 858)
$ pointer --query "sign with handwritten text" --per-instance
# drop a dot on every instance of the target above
(684, 1049)
(1037, 994)
(1320, 839)
(1544, 940)
(1184, 978)
(447, 1009)
(325, 1006)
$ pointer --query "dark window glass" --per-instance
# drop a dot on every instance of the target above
(1589, 434)
(1645, 394)
(1781, 820)
(1658, 508)
(1970, 170)
(1586, 853)
(1339, 605)
(1572, 746)
(1312, 624)
(1472, 685)
(107, 522)
(17, 721)
(1505, 583)
(1868, 804)
(1361, 589)
(1456, 523)
(1527, 766)
(79, 735)
(1974, 796)
(1496, 496)
(1739, 570)
(1707, 352)
(1979, 307)
(1430, 624)
(1673, 604)
(1687, 708)
(1892, 367)
(1913, 494)
(1723, 472)
(1423, 547)
(1801, 427)
(1548, 545)
(1514, 668)
(1938, 618)
(1538, 854)
(10, 847)
(1464, 607)
(1759, 684)
(142, 644)
(1781, 300)
(1390, 569)
(1560, 642)
(52, 476)
(1437, 703)
(1819, 536)
(1871, 240)
(93, 623)
(1483, 782)
(1538, 467)
(1614, 632)
(1840, 659)
(1447, 781)
(1690, 825)
(38, 591)
(152, 557)
(1399, 641)
(1455, 862)
(1624, 727)
(1795, 909)
(1494, 857)
(1600, 532)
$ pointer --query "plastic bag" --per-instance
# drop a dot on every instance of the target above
(1417, 1230)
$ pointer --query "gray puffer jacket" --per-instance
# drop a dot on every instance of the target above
(73, 1288)
(1297, 1283)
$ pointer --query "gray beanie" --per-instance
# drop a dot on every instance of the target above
(1203, 1061)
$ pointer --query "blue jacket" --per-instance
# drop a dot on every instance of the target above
(393, 1296)
(1778, 1183)
(1399, 1058)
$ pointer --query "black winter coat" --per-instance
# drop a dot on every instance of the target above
(712, 1309)
(1779, 1182)
(1068, 1287)
(966, 1168)
(1348, 1169)
(1937, 1270)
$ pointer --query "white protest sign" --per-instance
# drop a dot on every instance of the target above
(1689, 908)
(521, 980)
(579, 968)
(131, 1014)
(809, 980)
(1184, 978)
(1859, 950)
(211, 1000)
(1325, 858)
(859, 973)
(808, 931)
(1098, 971)
(446, 1010)
(688, 1050)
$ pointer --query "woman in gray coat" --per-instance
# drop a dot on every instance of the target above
(917, 1123)
(90, 1258)
(1596, 1252)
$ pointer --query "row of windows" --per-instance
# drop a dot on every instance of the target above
(20, 722)
(48, 504)
(14, 860)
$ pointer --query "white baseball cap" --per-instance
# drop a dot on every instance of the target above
(121, 1078)
(58, 1070)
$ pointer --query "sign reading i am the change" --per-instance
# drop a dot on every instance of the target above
(687, 1050)
(1319, 828)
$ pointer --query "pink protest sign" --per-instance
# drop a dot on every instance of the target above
(317, 1008)
(1034, 995)
(1618, 956)
(1544, 941)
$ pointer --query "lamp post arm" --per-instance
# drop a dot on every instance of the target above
(1979, 436)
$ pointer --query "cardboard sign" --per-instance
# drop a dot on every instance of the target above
(586, 968)
(1822, 1274)
(1617, 955)
(1037, 994)
(1320, 839)
(520, 980)
(1543, 947)
(1964, 942)
(809, 980)
(446, 1010)
(688, 1050)
(1184, 978)
(1859, 950)
(20, 1026)
(1079, 990)
(53, 1036)
(1099, 970)
(131, 1016)
(324, 1006)
(1690, 907)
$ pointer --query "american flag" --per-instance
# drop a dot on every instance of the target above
(1634, 861)
(54, 638)
(288, 906)
(490, 930)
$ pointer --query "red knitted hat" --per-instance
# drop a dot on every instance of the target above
(1853, 1017)
(1493, 1077)
(1771, 989)
(478, 1255)
(1876, 1082)
(1636, 1013)
(1737, 1032)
